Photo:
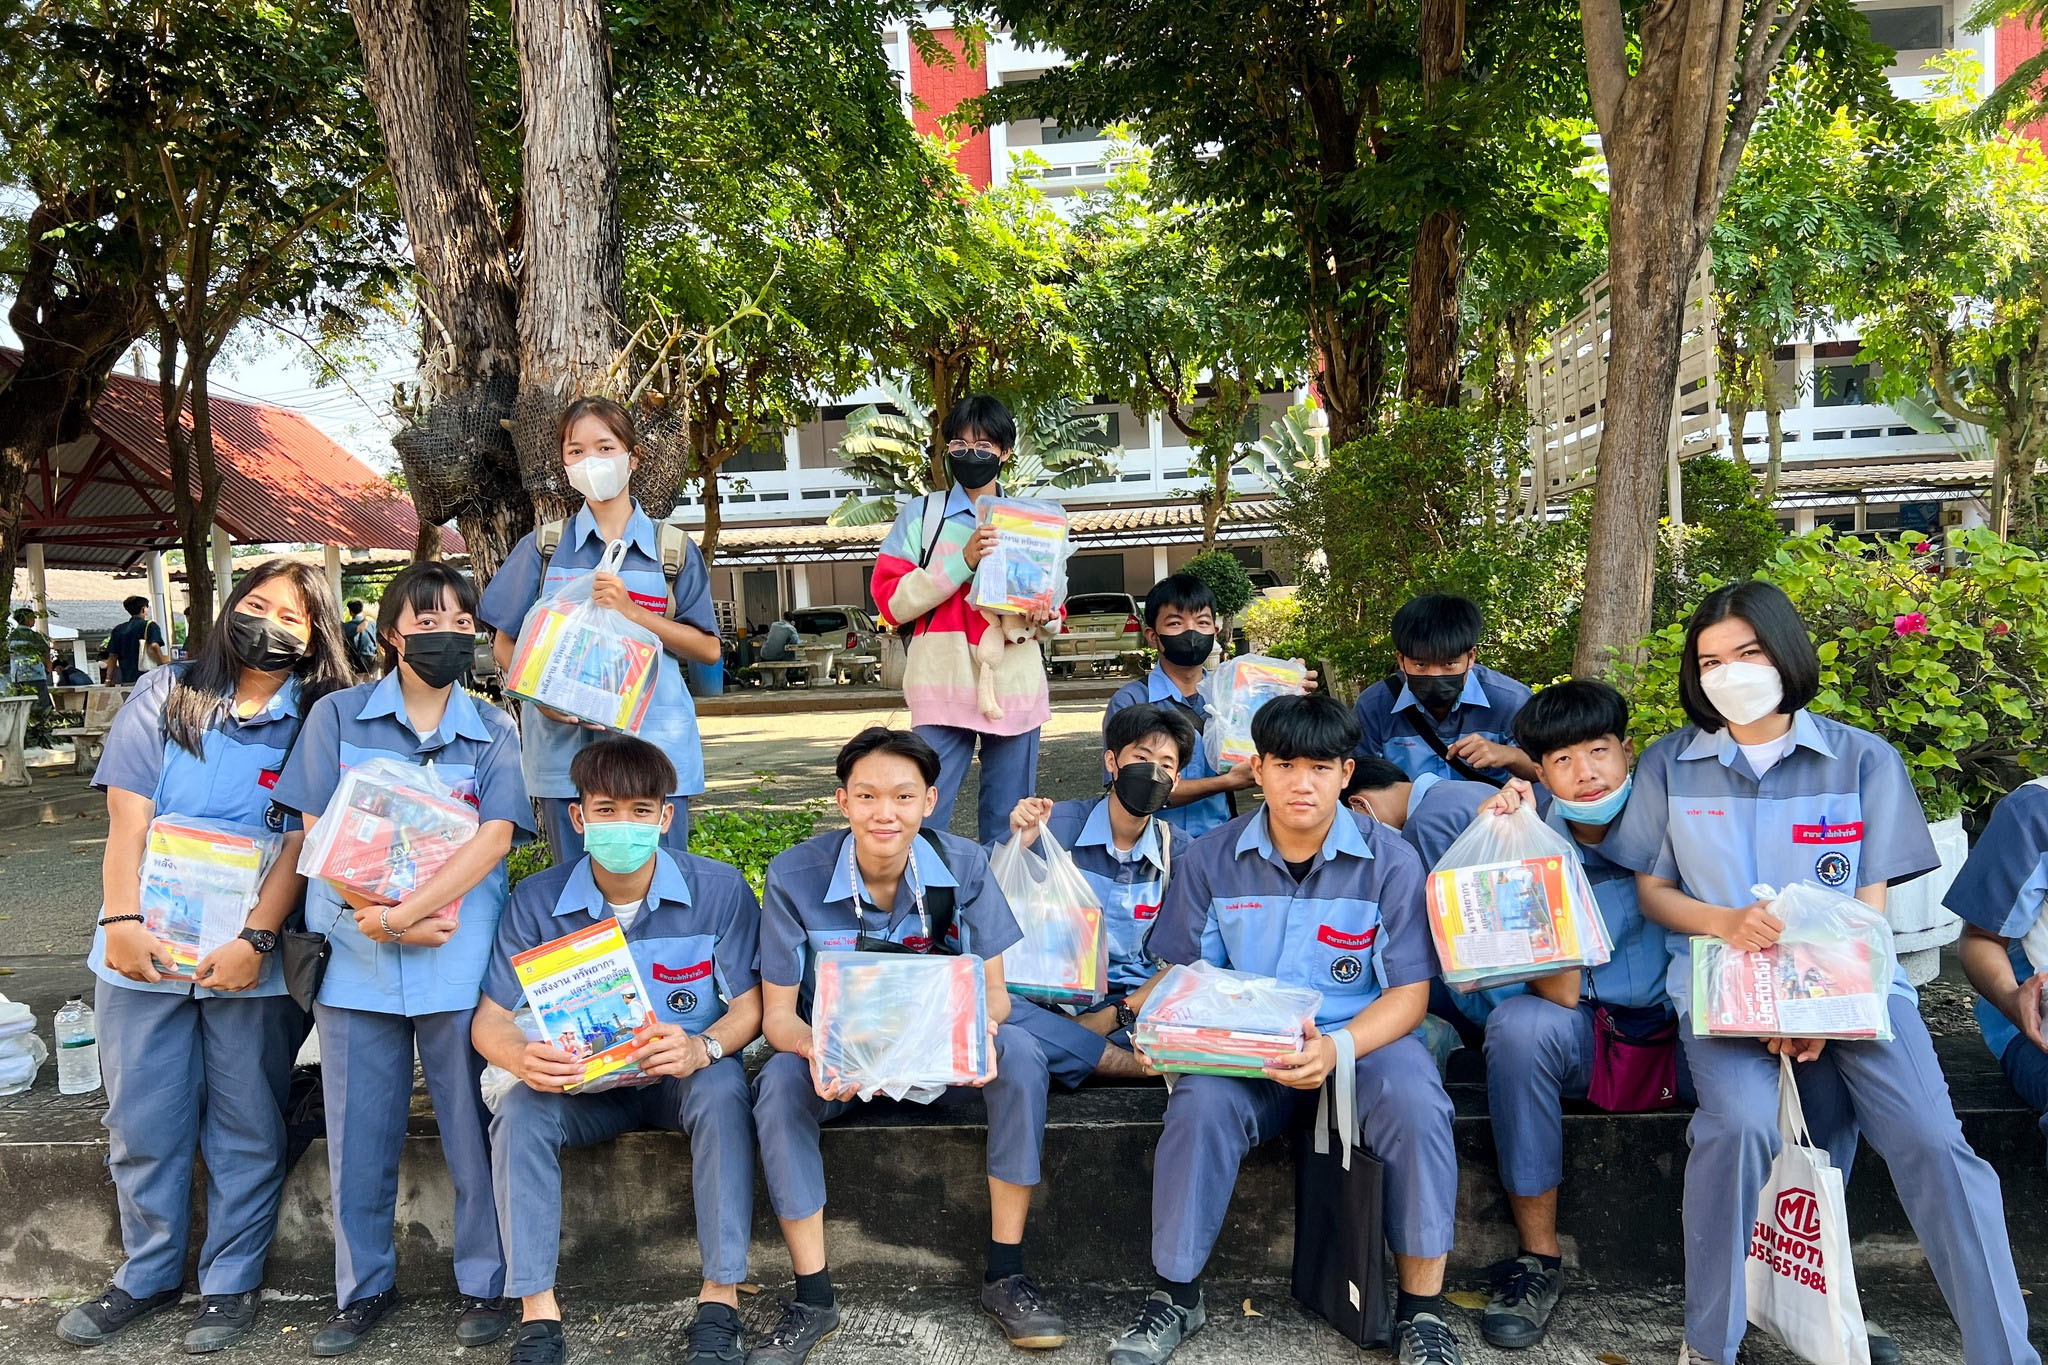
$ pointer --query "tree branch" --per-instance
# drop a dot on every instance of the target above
(1606, 61)
(1766, 51)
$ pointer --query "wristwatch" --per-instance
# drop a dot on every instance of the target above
(1125, 1017)
(262, 940)
(713, 1049)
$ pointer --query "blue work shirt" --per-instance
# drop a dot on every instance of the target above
(1838, 810)
(1129, 884)
(2001, 890)
(475, 750)
(812, 905)
(671, 721)
(1354, 926)
(696, 940)
(1487, 707)
(229, 779)
(1196, 818)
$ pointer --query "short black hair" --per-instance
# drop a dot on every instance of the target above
(355, 604)
(1437, 627)
(1315, 725)
(880, 739)
(1779, 629)
(623, 767)
(1183, 590)
(1375, 774)
(135, 606)
(981, 414)
(1134, 723)
(1570, 712)
(420, 586)
(25, 615)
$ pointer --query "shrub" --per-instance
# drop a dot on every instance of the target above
(1273, 626)
(1225, 577)
(743, 839)
(1728, 534)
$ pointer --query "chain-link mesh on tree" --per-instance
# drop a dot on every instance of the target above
(664, 457)
(448, 447)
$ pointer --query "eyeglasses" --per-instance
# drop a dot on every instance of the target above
(987, 452)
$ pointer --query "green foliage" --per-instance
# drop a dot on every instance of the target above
(1273, 626)
(525, 860)
(1226, 579)
(1949, 664)
(743, 839)
(1728, 533)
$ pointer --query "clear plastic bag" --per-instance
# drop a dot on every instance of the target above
(1235, 692)
(1829, 975)
(1509, 901)
(905, 1025)
(585, 660)
(1027, 569)
(1212, 1021)
(1063, 958)
(200, 880)
(388, 827)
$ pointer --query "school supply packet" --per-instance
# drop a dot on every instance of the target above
(1027, 569)
(1829, 975)
(1063, 958)
(585, 660)
(588, 1000)
(904, 1025)
(1209, 1020)
(200, 880)
(1235, 692)
(388, 827)
(1509, 901)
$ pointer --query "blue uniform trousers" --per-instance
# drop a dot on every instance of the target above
(711, 1107)
(788, 1112)
(1893, 1092)
(2026, 1070)
(366, 1075)
(1404, 1119)
(186, 1076)
(1072, 1050)
(1009, 773)
(568, 844)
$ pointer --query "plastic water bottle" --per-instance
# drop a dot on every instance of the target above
(78, 1048)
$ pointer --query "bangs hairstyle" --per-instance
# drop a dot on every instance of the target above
(1779, 629)
(1436, 628)
(983, 415)
(203, 691)
(1134, 723)
(606, 410)
(423, 587)
(623, 767)
(1574, 711)
(879, 739)
(1315, 726)
(1182, 591)
(1374, 774)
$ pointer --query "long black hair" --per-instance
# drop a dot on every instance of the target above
(203, 691)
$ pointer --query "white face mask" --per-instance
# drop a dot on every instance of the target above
(601, 477)
(1743, 693)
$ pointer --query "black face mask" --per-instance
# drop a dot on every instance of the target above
(440, 657)
(1187, 649)
(1437, 691)
(974, 471)
(1143, 788)
(262, 644)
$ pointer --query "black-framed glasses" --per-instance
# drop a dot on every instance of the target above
(987, 452)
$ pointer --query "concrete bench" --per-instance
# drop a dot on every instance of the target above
(89, 738)
(14, 715)
(778, 671)
(855, 668)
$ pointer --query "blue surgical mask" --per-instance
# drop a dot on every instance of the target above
(1601, 810)
(620, 846)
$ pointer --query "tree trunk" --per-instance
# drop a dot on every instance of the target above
(1436, 264)
(1348, 333)
(1774, 434)
(714, 513)
(189, 502)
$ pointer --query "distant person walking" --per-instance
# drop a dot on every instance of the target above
(135, 639)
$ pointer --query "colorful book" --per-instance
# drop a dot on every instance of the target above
(200, 880)
(388, 827)
(587, 998)
(1495, 919)
(1212, 1021)
(905, 1025)
(1026, 571)
(573, 659)
(1820, 988)
(1062, 958)
(1236, 691)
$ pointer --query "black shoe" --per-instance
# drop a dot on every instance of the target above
(223, 1320)
(539, 1343)
(89, 1324)
(345, 1331)
(1883, 1350)
(1020, 1309)
(713, 1336)
(801, 1326)
(479, 1322)
(1425, 1339)
(1524, 1297)
(1161, 1327)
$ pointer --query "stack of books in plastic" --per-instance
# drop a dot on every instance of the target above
(588, 1000)
(904, 1025)
(388, 827)
(1212, 1021)
(1828, 976)
(200, 880)
(581, 660)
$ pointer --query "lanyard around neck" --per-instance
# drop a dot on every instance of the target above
(862, 903)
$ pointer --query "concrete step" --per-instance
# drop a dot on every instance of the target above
(56, 795)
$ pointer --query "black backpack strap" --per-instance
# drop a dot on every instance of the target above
(1421, 726)
(929, 535)
(938, 900)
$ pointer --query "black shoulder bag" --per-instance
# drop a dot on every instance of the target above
(938, 905)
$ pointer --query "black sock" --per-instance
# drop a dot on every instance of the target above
(1547, 1262)
(1407, 1305)
(1004, 1260)
(1184, 1293)
(815, 1290)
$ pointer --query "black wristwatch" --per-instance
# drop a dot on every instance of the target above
(1125, 1016)
(262, 940)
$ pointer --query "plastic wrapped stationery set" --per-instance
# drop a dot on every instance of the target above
(1235, 692)
(1027, 569)
(1829, 975)
(388, 827)
(904, 1025)
(585, 660)
(1062, 958)
(1209, 1020)
(200, 880)
(1509, 902)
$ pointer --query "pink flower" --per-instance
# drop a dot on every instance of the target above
(2000, 628)
(1923, 547)
(1912, 623)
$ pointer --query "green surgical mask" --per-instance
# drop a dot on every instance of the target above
(621, 846)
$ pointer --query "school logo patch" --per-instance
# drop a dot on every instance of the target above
(273, 818)
(1832, 869)
(682, 1002)
(1345, 970)
(1144, 912)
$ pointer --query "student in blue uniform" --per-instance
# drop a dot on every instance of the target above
(1759, 791)
(1999, 894)
(693, 927)
(1441, 711)
(825, 894)
(407, 976)
(1308, 892)
(202, 1067)
(1180, 622)
(663, 587)
(1126, 850)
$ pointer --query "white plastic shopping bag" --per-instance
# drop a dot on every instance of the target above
(585, 660)
(1062, 958)
(1802, 1285)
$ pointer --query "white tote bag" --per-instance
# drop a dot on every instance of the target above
(1802, 1286)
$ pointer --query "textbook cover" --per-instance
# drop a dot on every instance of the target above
(1793, 989)
(1235, 692)
(200, 880)
(905, 1025)
(1503, 917)
(587, 998)
(571, 661)
(1026, 571)
(388, 828)
(1209, 1020)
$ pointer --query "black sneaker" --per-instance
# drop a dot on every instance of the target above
(223, 1320)
(1161, 1327)
(1883, 1349)
(713, 1336)
(89, 1324)
(479, 1322)
(801, 1326)
(1524, 1295)
(345, 1331)
(539, 1343)
(1425, 1339)
(1020, 1309)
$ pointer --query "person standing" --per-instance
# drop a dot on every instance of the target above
(28, 657)
(359, 633)
(135, 639)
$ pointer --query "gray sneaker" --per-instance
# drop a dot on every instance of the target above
(1425, 1339)
(801, 1326)
(1161, 1327)
(1883, 1350)
(1025, 1317)
(223, 1320)
(1524, 1293)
